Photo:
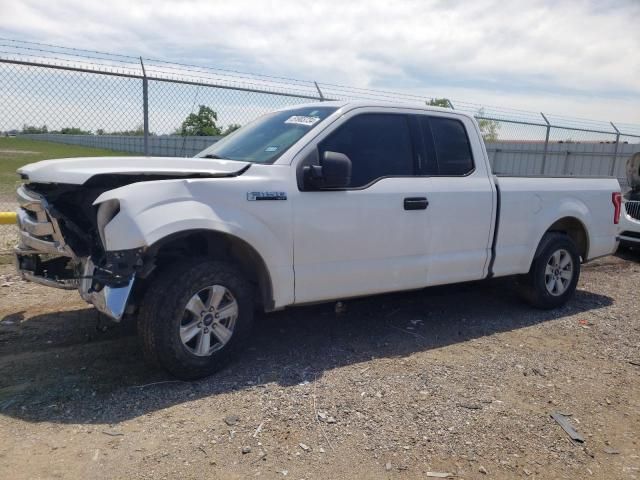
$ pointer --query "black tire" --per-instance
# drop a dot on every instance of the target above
(533, 285)
(163, 313)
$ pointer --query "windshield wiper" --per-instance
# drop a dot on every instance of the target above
(213, 155)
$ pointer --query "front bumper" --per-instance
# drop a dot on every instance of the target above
(112, 301)
(630, 223)
(42, 256)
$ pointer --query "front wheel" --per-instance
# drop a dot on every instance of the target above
(554, 272)
(195, 316)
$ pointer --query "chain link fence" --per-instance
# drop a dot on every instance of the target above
(60, 102)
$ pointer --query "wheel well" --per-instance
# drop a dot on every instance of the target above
(575, 230)
(218, 246)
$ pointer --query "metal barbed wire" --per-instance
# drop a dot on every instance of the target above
(101, 62)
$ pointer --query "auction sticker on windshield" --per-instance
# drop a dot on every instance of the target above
(302, 120)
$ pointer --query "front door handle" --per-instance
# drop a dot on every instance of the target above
(416, 203)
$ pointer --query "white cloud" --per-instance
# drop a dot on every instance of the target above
(571, 57)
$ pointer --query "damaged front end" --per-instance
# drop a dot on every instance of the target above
(59, 246)
(62, 240)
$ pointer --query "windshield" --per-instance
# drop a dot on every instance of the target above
(268, 137)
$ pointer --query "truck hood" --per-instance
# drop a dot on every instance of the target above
(77, 171)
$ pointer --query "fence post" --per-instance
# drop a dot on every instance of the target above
(145, 107)
(615, 151)
(546, 143)
(319, 91)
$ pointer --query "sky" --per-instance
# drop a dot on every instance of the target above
(574, 58)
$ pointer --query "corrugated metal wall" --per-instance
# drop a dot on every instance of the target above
(580, 159)
(161, 145)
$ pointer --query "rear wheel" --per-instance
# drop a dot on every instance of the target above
(554, 272)
(195, 317)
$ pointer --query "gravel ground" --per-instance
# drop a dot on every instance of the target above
(458, 380)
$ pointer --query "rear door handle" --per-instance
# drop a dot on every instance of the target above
(416, 203)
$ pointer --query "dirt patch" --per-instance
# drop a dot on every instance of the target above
(459, 379)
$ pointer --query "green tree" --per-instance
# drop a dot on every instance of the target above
(232, 127)
(31, 129)
(488, 128)
(202, 123)
(440, 102)
(135, 132)
(74, 131)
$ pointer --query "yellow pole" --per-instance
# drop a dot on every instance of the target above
(7, 218)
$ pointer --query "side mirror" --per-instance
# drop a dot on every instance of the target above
(334, 171)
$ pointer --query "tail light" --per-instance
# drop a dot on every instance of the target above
(616, 199)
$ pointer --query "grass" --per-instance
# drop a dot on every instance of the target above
(16, 152)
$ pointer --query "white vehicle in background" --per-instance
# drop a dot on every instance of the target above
(307, 204)
(630, 218)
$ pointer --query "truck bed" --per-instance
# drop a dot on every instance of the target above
(528, 205)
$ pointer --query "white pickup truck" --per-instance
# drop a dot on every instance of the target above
(307, 204)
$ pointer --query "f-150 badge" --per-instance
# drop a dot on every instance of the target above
(253, 196)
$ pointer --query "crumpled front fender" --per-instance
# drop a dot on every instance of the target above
(152, 211)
